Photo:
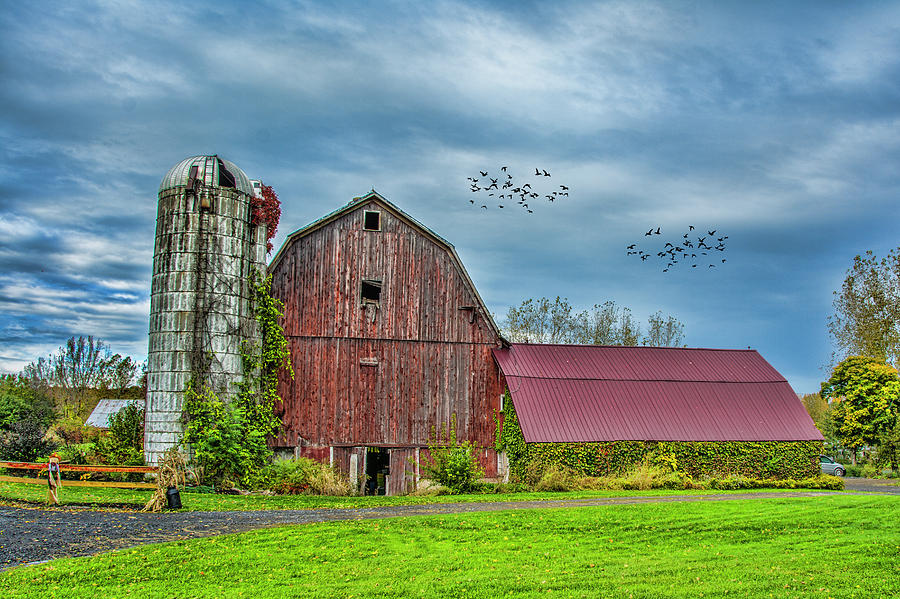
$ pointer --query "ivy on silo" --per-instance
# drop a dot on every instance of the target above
(229, 441)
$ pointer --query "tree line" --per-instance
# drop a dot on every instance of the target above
(554, 321)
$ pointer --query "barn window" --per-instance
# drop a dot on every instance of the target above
(372, 220)
(370, 292)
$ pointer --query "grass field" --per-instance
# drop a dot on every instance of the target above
(829, 546)
(214, 502)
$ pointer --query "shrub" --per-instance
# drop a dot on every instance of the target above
(508, 488)
(557, 478)
(303, 476)
(72, 431)
(655, 473)
(869, 471)
(853, 470)
(126, 427)
(451, 463)
(25, 442)
(823, 481)
(122, 444)
(598, 483)
(75, 454)
(641, 478)
(430, 491)
(226, 447)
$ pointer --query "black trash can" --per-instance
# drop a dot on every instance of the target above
(173, 498)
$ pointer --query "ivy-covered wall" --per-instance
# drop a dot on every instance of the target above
(700, 459)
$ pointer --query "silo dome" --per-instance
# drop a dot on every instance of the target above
(212, 170)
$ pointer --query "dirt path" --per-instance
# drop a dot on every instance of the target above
(29, 535)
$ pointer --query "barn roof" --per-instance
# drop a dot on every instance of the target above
(107, 407)
(374, 196)
(584, 393)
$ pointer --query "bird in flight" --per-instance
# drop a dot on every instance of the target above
(518, 190)
(669, 251)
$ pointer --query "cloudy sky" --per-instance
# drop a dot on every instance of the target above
(777, 124)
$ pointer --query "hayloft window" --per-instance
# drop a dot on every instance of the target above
(372, 220)
(370, 292)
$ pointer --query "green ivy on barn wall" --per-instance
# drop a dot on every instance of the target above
(699, 459)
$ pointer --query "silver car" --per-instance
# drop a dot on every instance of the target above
(829, 466)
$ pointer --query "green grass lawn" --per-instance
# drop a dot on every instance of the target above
(829, 546)
(214, 502)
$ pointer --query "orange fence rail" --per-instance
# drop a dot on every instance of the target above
(77, 467)
(78, 483)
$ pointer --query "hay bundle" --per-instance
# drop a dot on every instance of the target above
(171, 473)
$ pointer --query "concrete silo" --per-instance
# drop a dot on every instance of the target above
(200, 300)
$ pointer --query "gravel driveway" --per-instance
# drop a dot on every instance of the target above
(872, 485)
(31, 534)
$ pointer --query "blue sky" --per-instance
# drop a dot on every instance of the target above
(777, 124)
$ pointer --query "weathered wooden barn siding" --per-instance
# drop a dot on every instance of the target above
(385, 377)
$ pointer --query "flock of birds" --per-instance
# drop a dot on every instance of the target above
(505, 190)
(692, 248)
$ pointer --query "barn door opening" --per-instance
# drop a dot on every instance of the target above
(378, 468)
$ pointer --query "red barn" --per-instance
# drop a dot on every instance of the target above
(389, 340)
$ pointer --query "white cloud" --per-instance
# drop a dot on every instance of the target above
(15, 228)
(842, 167)
(864, 46)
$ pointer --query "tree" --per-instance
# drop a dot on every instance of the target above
(127, 426)
(21, 401)
(818, 409)
(598, 326)
(118, 375)
(546, 321)
(605, 324)
(664, 331)
(78, 367)
(866, 319)
(889, 448)
(540, 321)
(866, 397)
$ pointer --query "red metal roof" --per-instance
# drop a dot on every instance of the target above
(598, 393)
